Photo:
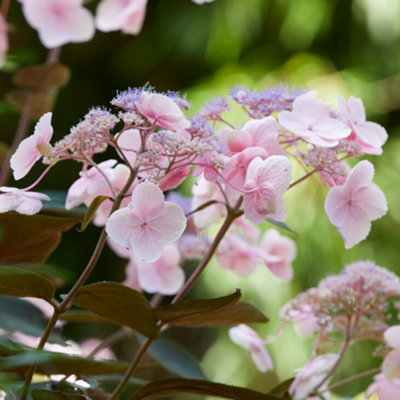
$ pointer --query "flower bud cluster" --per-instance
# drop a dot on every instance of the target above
(361, 292)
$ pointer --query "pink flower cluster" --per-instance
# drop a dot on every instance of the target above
(246, 168)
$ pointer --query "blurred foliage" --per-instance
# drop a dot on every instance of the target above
(339, 47)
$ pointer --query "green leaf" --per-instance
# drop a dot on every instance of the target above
(167, 387)
(213, 312)
(43, 394)
(94, 205)
(59, 363)
(176, 359)
(81, 316)
(18, 282)
(56, 274)
(116, 378)
(281, 225)
(8, 347)
(20, 315)
(281, 389)
(30, 238)
(191, 308)
(120, 304)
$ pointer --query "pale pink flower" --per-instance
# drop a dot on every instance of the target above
(13, 199)
(59, 21)
(249, 339)
(236, 168)
(91, 184)
(160, 109)
(238, 255)
(384, 388)
(353, 206)
(174, 178)
(312, 375)
(31, 149)
(148, 224)
(266, 182)
(3, 39)
(284, 249)
(370, 135)
(311, 120)
(255, 133)
(126, 15)
(164, 275)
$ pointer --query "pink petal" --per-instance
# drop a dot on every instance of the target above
(336, 206)
(148, 241)
(147, 201)
(121, 224)
(356, 228)
(129, 142)
(372, 200)
(160, 109)
(247, 338)
(360, 176)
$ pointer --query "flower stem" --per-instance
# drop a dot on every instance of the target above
(346, 343)
(135, 362)
(352, 379)
(233, 213)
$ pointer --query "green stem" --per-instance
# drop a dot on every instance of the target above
(135, 362)
(352, 379)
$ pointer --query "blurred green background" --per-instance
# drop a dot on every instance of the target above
(339, 47)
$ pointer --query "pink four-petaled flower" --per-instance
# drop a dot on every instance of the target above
(353, 206)
(148, 224)
(311, 120)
